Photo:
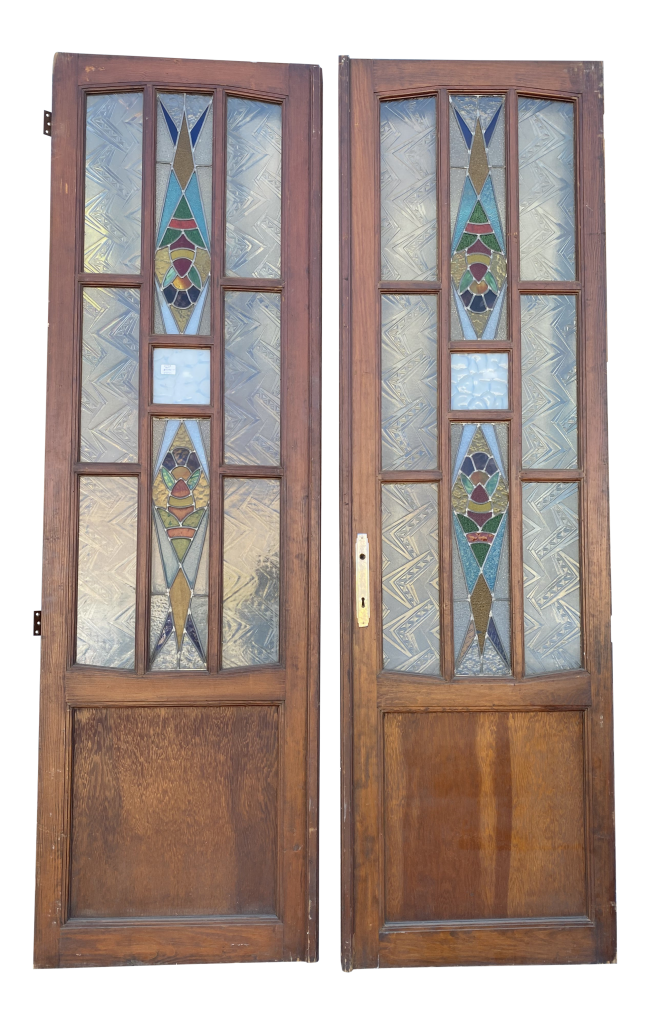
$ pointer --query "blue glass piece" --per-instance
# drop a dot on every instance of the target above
(193, 557)
(490, 436)
(181, 376)
(496, 640)
(467, 134)
(467, 204)
(195, 434)
(167, 553)
(490, 299)
(193, 634)
(165, 634)
(195, 319)
(491, 564)
(196, 130)
(480, 459)
(489, 203)
(171, 428)
(193, 196)
(489, 131)
(493, 322)
(491, 468)
(173, 130)
(469, 429)
(469, 334)
(471, 569)
(477, 305)
(467, 466)
(172, 199)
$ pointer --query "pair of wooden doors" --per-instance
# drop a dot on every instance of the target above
(179, 730)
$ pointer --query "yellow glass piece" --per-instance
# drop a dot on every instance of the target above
(481, 602)
(202, 263)
(186, 254)
(179, 596)
(159, 492)
(500, 497)
(183, 160)
(478, 443)
(162, 264)
(475, 507)
(459, 497)
(182, 284)
(478, 162)
(202, 492)
(182, 438)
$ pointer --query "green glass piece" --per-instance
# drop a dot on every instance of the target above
(491, 283)
(171, 234)
(182, 211)
(167, 477)
(169, 276)
(468, 525)
(467, 483)
(194, 479)
(490, 486)
(478, 215)
(491, 242)
(167, 518)
(194, 276)
(465, 281)
(180, 545)
(195, 236)
(466, 240)
(480, 551)
(194, 518)
(492, 524)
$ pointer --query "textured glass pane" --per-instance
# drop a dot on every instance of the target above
(251, 572)
(408, 190)
(481, 567)
(546, 191)
(181, 376)
(253, 188)
(108, 518)
(548, 382)
(183, 213)
(113, 183)
(409, 424)
(410, 578)
(551, 577)
(109, 375)
(179, 547)
(252, 378)
(478, 218)
(479, 380)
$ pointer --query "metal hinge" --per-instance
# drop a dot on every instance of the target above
(47, 122)
(37, 623)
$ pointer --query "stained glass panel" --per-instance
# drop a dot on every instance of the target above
(252, 378)
(181, 376)
(409, 423)
(108, 518)
(183, 213)
(546, 190)
(251, 572)
(477, 194)
(481, 572)
(551, 577)
(411, 632)
(253, 188)
(179, 555)
(549, 382)
(479, 380)
(109, 375)
(409, 240)
(113, 200)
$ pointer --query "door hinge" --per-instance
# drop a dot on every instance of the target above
(37, 623)
(47, 122)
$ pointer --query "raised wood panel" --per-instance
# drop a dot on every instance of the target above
(484, 815)
(174, 811)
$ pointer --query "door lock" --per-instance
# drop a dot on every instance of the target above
(363, 579)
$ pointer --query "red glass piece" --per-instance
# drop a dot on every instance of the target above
(479, 270)
(479, 494)
(181, 490)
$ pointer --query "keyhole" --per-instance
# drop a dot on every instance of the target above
(363, 602)
(362, 556)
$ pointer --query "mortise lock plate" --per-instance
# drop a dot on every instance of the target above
(362, 579)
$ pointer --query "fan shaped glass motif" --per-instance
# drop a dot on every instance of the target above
(181, 517)
(478, 249)
(183, 208)
(480, 501)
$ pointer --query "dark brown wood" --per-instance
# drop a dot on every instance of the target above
(477, 813)
(104, 785)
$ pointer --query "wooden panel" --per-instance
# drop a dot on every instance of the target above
(484, 815)
(174, 811)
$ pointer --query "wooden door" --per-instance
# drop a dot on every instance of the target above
(477, 742)
(178, 772)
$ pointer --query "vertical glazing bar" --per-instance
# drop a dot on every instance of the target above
(444, 392)
(219, 162)
(516, 565)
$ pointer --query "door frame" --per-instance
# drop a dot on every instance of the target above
(366, 940)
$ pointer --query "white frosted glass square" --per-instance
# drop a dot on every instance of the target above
(181, 376)
(479, 380)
